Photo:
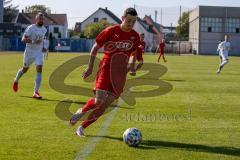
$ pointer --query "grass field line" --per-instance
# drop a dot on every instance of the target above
(87, 150)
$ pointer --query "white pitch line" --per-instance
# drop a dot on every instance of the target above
(95, 140)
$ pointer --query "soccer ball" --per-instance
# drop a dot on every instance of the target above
(132, 137)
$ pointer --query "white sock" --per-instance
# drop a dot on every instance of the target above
(19, 75)
(38, 80)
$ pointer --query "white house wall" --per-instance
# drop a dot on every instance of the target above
(149, 40)
(62, 29)
(100, 14)
(194, 30)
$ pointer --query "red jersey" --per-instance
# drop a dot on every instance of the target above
(161, 47)
(115, 41)
(117, 47)
(140, 51)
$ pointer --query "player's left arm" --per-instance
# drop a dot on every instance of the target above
(132, 62)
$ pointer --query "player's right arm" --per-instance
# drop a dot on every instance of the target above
(101, 39)
(93, 54)
(26, 39)
(26, 36)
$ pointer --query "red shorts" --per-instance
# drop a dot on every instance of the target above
(161, 52)
(139, 57)
(110, 79)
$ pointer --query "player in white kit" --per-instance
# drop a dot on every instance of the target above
(223, 48)
(33, 38)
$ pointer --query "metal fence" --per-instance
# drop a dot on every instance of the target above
(56, 45)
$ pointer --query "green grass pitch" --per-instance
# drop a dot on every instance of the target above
(198, 119)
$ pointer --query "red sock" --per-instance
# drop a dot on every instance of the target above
(94, 115)
(89, 105)
(86, 123)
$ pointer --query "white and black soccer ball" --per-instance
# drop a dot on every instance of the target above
(132, 137)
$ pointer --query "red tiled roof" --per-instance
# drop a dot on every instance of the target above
(49, 19)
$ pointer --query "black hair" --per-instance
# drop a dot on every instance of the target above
(130, 11)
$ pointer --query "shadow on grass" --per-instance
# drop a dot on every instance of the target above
(153, 144)
(71, 102)
(55, 100)
(174, 80)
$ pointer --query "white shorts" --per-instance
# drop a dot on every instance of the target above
(32, 56)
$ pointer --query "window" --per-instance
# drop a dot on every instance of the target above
(55, 30)
(209, 29)
(237, 30)
(95, 20)
(211, 24)
(232, 25)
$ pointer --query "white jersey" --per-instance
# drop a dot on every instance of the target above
(218, 48)
(224, 48)
(35, 32)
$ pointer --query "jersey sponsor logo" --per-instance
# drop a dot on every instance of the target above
(132, 38)
(116, 36)
(124, 46)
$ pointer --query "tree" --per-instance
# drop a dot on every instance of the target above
(92, 30)
(183, 26)
(9, 11)
(37, 8)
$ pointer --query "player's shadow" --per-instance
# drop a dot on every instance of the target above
(153, 144)
(75, 102)
(174, 80)
(56, 100)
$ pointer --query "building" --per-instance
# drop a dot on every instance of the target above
(100, 14)
(151, 30)
(1, 21)
(56, 24)
(10, 29)
(169, 32)
(209, 24)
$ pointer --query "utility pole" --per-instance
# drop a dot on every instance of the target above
(156, 12)
(1, 21)
(1, 11)
(161, 16)
(155, 21)
(179, 42)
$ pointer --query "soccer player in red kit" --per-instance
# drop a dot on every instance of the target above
(161, 49)
(118, 43)
(139, 54)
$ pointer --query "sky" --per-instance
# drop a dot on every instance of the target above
(78, 10)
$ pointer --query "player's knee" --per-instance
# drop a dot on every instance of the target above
(99, 102)
(25, 69)
(39, 69)
(224, 62)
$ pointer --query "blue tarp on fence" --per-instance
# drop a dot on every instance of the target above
(60, 45)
